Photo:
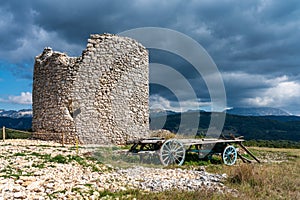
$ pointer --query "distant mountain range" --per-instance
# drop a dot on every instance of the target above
(21, 120)
(266, 124)
(251, 127)
(161, 112)
(16, 114)
(260, 111)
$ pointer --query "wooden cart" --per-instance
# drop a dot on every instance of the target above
(173, 151)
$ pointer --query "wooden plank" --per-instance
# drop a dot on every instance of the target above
(186, 141)
(209, 139)
(243, 158)
(155, 138)
(3, 133)
(151, 141)
(248, 152)
(248, 160)
(200, 141)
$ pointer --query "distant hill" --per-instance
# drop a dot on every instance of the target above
(284, 118)
(251, 127)
(259, 111)
(21, 123)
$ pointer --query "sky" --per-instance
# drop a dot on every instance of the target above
(254, 43)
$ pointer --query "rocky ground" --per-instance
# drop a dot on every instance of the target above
(31, 169)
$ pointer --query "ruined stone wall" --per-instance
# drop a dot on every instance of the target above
(99, 98)
(54, 75)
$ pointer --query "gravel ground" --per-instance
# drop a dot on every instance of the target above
(33, 169)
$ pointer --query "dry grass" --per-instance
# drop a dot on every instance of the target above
(273, 180)
(163, 134)
(289, 152)
(278, 177)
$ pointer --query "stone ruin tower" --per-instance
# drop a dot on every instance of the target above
(100, 97)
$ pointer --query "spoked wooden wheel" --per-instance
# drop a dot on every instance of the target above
(229, 155)
(172, 152)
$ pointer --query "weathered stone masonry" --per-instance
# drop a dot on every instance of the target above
(100, 97)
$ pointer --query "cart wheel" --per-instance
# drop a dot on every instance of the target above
(172, 152)
(229, 155)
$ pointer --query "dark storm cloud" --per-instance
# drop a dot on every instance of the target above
(253, 43)
(260, 34)
(235, 31)
(75, 21)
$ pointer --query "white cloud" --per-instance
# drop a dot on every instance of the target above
(254, 90)
(158, 102)
(33, 44)
(24, 98)
(260, 101)
(281, 95)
